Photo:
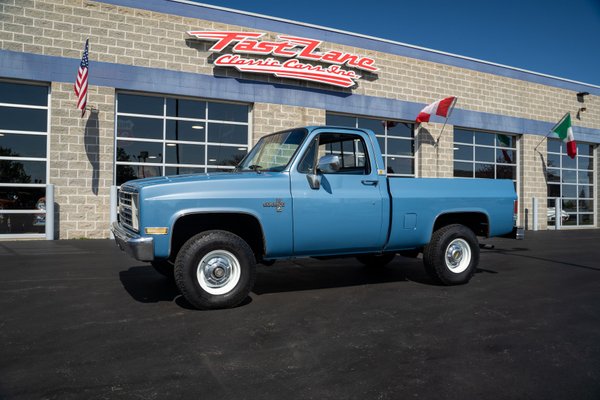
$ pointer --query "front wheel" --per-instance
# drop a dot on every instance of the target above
(452, 255)
(215, 269)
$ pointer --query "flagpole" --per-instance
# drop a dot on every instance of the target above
(550, 131)
(437, 142)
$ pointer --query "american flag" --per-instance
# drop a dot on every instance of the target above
(81, 84)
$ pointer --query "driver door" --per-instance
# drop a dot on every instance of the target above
(344, 215)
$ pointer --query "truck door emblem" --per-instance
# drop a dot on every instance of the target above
(278, 204)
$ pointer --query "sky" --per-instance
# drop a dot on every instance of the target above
(554, 37)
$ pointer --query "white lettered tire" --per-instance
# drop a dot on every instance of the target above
(215, 269)
(452, 255)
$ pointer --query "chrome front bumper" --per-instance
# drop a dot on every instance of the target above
(139, 247)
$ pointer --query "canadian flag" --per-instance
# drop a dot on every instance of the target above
(440, 107)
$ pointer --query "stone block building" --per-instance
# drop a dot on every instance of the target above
(179, 87)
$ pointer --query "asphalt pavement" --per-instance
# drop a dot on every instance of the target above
(81, 320)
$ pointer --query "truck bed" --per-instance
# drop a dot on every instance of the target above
(417, 202)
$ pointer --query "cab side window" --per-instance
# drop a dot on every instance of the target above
(350, 149)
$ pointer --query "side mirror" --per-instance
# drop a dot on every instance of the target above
(329, 164)
(314, 181)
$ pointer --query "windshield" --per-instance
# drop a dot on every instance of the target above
(273, 152)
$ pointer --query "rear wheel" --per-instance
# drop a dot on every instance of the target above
(376, 260)
(452, 255)
(215, 269)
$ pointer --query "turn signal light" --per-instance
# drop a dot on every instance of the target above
(156, 231)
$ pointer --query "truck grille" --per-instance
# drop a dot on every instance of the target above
(128, 210)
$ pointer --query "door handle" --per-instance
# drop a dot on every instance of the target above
(369, 182)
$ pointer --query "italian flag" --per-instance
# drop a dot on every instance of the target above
(565, 132)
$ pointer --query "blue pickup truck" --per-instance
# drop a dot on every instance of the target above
(317, 191)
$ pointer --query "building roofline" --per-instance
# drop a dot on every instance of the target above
(378, 39)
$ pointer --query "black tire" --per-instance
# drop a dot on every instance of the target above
(442, 267)
(219, 252)
(376, 260)
(165, 268)
(414, 253)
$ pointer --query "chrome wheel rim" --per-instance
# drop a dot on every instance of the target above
(458, 256)
(218, 272)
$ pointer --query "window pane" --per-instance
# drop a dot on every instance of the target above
(586, 205)
(399, 129)
(23, 119)
(186, 108)
(19, 93)
(586, 177)
(585, 191)
(553, 175)
(397, 165)
(553, 190)
(22, 223)
(554, 145)
(128, 172)
(400, 147)
(463, 152)
(381, 141)
(142, 128)
(340, 120)
(506, 141)
(586, 219)
(224, 155)
(569, 190)
(136, 104)
(20, 198)
(143, 152)
(186, 131)
(462, 169)
(22, 171)
(184, 170)
(485, 154)
(569, 205)
(484, 171)
(585, 149)
(506, 156)
(586, 163)
(553, 160)
(225, 133)
(571, 220)
(184, 154)
(228, 112)
(568, 162)
(13, 145)
(376, 125)
(506, 172)
(486, 139)
(569, 176)
(463, 136)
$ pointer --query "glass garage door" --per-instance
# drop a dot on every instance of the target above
(572, 182)
(159, 135)
(23, 158)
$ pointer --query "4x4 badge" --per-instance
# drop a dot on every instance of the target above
(278, 204)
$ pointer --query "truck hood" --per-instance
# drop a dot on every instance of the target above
(231, 179)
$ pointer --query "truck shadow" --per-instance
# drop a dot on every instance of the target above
(145, 285)
(310, 274)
